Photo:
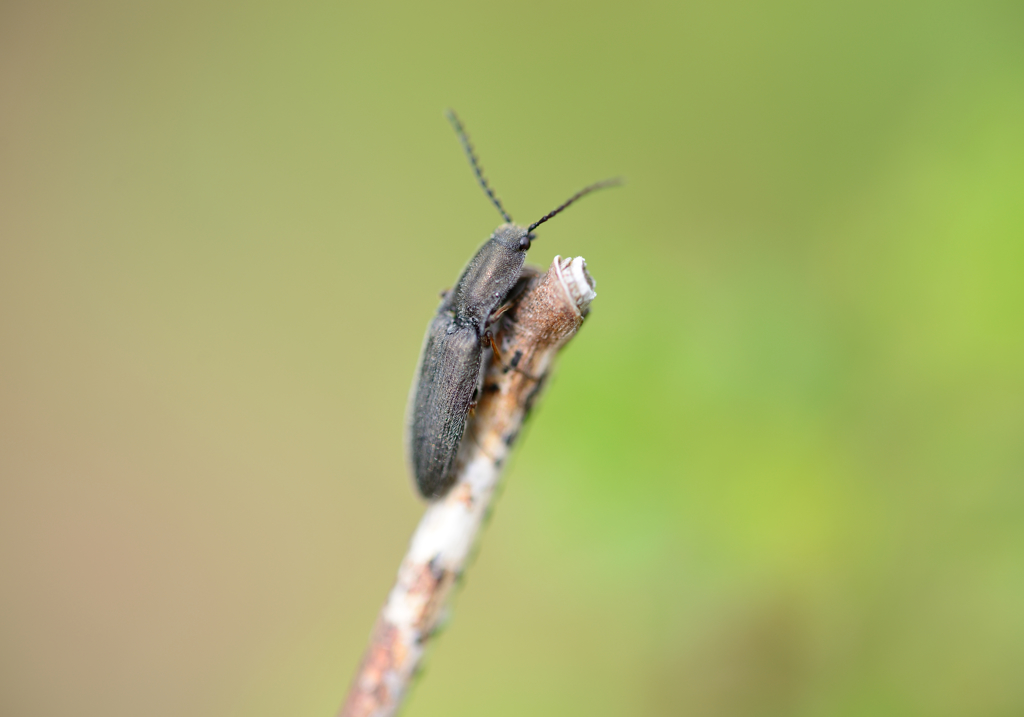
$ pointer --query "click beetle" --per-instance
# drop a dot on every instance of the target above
(447, 379)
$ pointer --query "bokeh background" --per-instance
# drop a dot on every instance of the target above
(779, 472)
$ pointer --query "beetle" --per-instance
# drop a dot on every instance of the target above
(450, 369)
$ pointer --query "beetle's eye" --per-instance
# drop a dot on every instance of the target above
(524, 243)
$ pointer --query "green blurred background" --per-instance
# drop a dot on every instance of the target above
(778, 473)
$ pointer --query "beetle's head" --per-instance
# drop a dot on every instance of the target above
(513, 236)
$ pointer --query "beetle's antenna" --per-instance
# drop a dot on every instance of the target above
(582, 193)
(477, 169)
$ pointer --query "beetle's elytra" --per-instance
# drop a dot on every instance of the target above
(450, 368)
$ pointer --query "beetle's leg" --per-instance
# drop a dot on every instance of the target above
(471, 409)
(499, 312)
(527, 274)
(444, 293)
(489, 337)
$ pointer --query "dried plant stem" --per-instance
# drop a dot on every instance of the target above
(545, 316)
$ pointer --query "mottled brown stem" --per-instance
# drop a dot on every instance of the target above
(546, 315)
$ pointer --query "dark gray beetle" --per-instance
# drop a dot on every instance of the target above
(448, 377)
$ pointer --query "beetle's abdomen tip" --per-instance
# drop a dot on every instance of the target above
(432, 490)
